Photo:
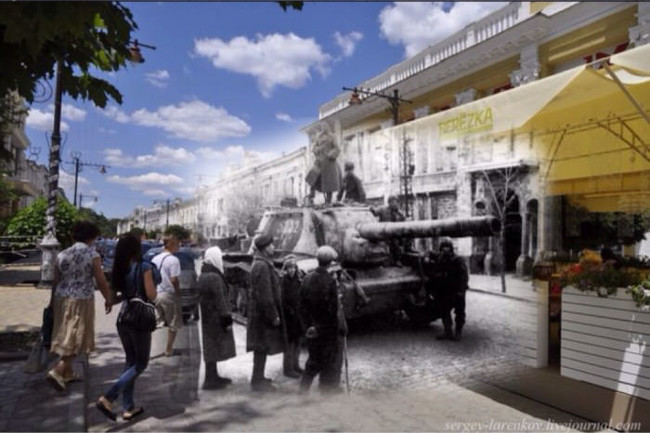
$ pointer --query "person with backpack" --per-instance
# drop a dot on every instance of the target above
(135, 280)
(168, 301)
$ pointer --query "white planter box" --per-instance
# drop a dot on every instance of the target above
(606, 341)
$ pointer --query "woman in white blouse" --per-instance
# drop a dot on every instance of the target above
(73, 300)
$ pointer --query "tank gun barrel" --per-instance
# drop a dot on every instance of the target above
(452, 227)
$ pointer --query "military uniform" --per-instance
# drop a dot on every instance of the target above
(449, 283)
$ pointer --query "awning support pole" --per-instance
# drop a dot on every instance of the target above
(552, 159)
(626, 92)
(641, 147)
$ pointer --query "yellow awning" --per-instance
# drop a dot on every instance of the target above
(591, 138)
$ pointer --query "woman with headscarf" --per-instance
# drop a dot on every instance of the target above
(290, 301)
(216, 319)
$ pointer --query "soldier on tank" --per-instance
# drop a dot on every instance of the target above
(324, 322)
(352, 187)
(391, 213)
(449, 283)
(325, 174)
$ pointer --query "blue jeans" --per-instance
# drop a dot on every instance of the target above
(137, 347)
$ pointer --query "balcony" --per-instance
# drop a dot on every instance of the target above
(475, 33)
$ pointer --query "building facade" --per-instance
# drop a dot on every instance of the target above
(27, 179)
(450, 163)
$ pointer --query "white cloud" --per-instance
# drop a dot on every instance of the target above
(66, 180)
(154, 192)
(70, 112)
(348, 42)
(115, 113)
(149, 183)
(284, 117)
(185, 190)
(107, 130)
(418, 25)
(194, 120)
(158, 78)
(163, 155)
(42, 120)
(274, 60)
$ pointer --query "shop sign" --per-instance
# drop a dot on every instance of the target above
(466, 122)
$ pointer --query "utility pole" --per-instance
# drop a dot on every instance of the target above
(407, 168)
(78, 167)
(167, 220)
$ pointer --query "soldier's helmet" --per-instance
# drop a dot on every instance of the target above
(348, 166)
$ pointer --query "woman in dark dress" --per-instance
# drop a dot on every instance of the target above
(290, 300)
(216, 319)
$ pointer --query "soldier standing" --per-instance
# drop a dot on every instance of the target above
(265, 333)
(325, 174)
(450, 280)
(321, 315)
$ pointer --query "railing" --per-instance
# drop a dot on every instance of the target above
(475, 33)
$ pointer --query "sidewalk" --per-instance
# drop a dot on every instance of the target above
(28, 401)
(516, 287)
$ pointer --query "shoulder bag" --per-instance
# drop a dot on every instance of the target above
(139, 314)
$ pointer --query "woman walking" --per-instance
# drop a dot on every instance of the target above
(216, 322)
(73, 302)
(290, 302)
(134, 278)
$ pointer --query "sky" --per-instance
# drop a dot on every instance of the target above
(229, 84)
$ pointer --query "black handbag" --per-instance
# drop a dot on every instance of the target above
(138, 314)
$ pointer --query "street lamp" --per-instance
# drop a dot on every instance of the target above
(407, 167)
(50, 245)
(78, 166)
(393, 99)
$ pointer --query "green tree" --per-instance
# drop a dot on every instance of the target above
(108, 228)
(297, 5)
(30, 221)
(179, 231)
(137, 232)
(84, 36)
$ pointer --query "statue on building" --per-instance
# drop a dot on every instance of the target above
(325, 174)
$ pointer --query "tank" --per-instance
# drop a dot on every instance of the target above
(371, 283)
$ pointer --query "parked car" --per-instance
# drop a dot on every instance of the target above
(188, 279)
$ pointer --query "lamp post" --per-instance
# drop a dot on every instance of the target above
(406, 165)
(78, 167)
(50, 245)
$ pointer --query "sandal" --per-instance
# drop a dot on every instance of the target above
(130, 414)
(56, 380)
(75, 377)
(105, 410)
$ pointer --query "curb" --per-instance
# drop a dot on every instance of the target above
(503, 295)
(13, 356)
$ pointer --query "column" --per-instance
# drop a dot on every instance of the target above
(530, 68)
(524, 261)
(488, 262)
